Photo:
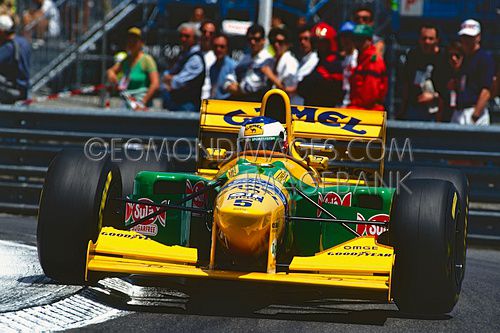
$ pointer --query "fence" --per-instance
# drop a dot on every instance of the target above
(30, 137)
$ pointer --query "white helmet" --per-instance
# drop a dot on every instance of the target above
(262, 134)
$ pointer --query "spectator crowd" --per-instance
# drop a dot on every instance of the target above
(316, 65)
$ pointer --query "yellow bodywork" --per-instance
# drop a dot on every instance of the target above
(220, 122)
(359, 264)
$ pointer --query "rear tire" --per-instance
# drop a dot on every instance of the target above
(423, 233)
(74, 205)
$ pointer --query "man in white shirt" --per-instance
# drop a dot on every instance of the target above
(307, 63)
(249, 82)
(208, 30)
(286, 64)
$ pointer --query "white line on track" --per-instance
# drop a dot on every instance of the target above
(78, 310)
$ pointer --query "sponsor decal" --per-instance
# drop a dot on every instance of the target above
(371, 230)
(308, 114)
(282, 176)
(199, 201)
(245, 195)
(123, 235)
(333, 198)
(360, 254)
(359, 251)
(255, 184)
(254, 129)
(134, 212)
(232, 172)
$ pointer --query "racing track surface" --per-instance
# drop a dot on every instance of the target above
(29, 300)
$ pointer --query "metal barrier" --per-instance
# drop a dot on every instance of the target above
(30, 137)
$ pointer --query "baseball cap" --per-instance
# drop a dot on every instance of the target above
(347, 27)
(135, 31)
(363, 30)
(324, 30)
(470, 28)
(6, 23)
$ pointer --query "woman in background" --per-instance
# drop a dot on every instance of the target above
(140, 79)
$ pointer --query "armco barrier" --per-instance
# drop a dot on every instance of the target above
(30, 137)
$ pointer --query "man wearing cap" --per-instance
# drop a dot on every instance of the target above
(15, 56)
(420, 97)
(323, 86)
(184, 80)
(476, 78)
(369, 78)
(350, 55)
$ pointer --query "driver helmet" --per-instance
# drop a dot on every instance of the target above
(262, 134)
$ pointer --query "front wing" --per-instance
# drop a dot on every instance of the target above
(360, 265)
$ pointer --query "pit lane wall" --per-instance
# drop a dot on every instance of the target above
(31, 136)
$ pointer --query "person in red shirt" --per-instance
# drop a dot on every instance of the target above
(323, 86)
(369, 79)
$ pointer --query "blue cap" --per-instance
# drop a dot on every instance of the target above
(347, 27)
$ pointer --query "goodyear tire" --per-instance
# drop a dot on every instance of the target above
(74, 205)
(458, 179)
(423, 228)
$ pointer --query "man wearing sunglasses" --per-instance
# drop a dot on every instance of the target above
(420, 99)
(307, 62)
(476, 80)
(249, 82)
(222, 67)
(364, 15)
(286, 63)
(184, 80)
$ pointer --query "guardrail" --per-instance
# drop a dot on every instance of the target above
(31, 136)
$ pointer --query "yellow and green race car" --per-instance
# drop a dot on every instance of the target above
(308, 210)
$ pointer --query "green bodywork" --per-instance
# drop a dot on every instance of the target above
(300, 238)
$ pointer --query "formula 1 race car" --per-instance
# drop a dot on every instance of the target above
(290, 196)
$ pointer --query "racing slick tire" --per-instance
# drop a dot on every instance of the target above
(459, 180)
(75, 203)
(423, 232)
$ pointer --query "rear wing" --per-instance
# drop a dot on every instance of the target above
(353, 140)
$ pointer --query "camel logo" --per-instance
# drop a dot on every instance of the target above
(371, 230)
(333, 198)
(254, 129)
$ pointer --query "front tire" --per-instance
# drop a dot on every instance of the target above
(74, 205)
(423, 233)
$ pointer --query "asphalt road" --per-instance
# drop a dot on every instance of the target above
(29, 300)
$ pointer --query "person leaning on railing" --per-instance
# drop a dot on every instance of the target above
(140, 78)
(14, 63)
